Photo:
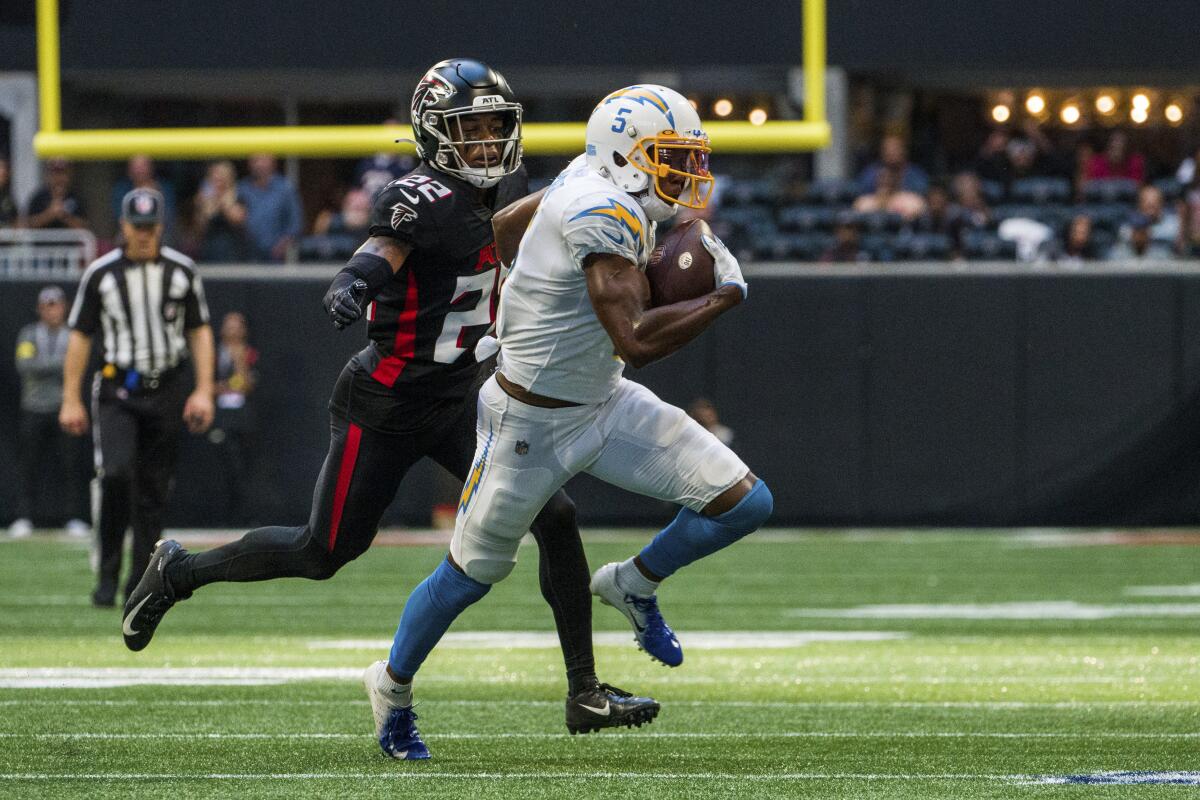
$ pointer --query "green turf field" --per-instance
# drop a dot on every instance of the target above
(933, 664)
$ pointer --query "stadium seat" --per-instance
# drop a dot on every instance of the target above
(879, 222)
(1110, 190)
(1015, 211)
(923, 246)
(806, 218)
(1108, 216)
(1040, 190)
(993, 192)
(832, 192)
(982, 245)
(1171, 189)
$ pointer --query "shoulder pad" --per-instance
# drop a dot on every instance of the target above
(410, 208)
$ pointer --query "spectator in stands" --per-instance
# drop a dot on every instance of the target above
(219, 223)
(703, 411)
(846, 245)
(1117, 161)
(9, 215)
(140, 174)
(1164, 230)
(273, 213)
(56, 205)
(1187, 169)
(893, 157)
(353, 220)
(1077, 245)
(1137, 243)
(973, 207)
(232, 433)
(373, 173)
(41, 350)
(336, 236)
(992, 162)
(1004, 159)
(1189, 217)
(891, 198)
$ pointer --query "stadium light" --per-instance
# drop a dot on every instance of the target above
(1106, 104)
(1001, 112)
(1035, 104)
(1140, 100)
(1069, 114)
(723, 107)
(1174, 113)
(1139, 115)
(758, 116)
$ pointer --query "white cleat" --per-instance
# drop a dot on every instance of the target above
(21, 529)
(78, 529)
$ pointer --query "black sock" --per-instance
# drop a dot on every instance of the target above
(563, 574)
(260, 555)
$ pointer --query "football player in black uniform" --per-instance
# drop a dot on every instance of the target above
(427, 279)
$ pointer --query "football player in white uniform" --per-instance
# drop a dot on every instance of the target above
(572, 314)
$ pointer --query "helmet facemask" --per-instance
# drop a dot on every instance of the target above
(452, 142)
(668, 155)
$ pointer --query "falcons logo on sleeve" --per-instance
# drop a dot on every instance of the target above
(402, 214)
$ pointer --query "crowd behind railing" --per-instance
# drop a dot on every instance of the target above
(1022, 198)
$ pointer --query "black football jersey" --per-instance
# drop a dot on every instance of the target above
(425, 323)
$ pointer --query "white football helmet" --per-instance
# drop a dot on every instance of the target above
(639, 135)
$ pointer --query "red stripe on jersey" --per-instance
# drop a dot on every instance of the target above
(405, 343)
(345, 472)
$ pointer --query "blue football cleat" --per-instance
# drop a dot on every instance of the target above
(651, 632)
(400, 738)
(395, 727)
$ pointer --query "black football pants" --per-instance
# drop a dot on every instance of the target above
(136, 442)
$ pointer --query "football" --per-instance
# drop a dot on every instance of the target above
(679, 267)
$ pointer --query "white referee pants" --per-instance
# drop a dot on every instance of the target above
(524, 454)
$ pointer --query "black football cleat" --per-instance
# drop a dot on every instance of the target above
(605, 706)
(152, 597)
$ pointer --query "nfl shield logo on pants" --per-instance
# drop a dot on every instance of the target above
(522, 447)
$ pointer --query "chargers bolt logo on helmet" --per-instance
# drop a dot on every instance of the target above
(647, 139)
(449, 96)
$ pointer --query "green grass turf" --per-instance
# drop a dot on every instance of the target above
(958, 708)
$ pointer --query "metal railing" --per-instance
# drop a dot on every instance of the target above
(45, 253)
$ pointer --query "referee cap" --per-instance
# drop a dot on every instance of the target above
(142, 207)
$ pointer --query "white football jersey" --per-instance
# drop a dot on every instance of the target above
(551, 341)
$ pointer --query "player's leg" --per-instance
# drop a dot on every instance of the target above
(159, 428)
(563, 572)
(655, 449)
(114, 438)
(358, 480)
(506, 487)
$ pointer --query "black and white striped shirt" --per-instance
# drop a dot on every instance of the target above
(142, 308)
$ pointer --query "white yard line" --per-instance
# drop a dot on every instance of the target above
(1178, 590)
(629, 734)
(107, 677)
(986, 705)
(695, 640)
(1021, 610)
(502, 776)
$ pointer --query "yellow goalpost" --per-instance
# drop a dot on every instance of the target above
(541, 138)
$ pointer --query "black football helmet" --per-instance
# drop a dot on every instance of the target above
(454, 89)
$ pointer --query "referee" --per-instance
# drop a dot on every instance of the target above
(146, 303)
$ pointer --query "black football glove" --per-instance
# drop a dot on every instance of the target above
(344, 303)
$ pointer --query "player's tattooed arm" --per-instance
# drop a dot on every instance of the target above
(509, 225)
(619, 294)
(367, 271)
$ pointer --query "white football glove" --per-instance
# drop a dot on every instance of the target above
(726, 270)
(487, 347)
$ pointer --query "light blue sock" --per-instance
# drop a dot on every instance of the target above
(431, 608)
(692, 536)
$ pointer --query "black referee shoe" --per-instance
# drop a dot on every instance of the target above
(605, 706)
(152, 597)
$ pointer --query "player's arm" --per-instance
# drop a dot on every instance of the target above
(509, 225)
(619, 292)
(365, 274)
